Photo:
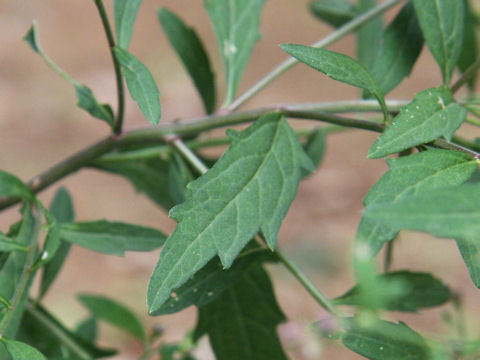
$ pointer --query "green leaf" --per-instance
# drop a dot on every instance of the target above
(430, 115)
(470, 249)
(400, 47)
(249, 189)
(11, 186)
(112, 237)
(62, 209)
(191, 52)
(315, 148)
(52, 241)
(21, 351)
(420, 291)
(337, 66)
(452, 212)
(236, 24)
(383, 340)
(88, 329)
(241, 322)
(333, 12)
(7, 245)
(211, 281)
(374, 235)
(442, 26)
(125, 14)
(114, 313)
(470, 44)
(178, 177)
(368, 35)
(141, 85)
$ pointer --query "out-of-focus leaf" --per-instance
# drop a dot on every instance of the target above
(11, 186)
(368, 36)
(141, 85)
(112, 237)
(125, 14)
(470, 249)
(7, 245)
(315, 148)
(88, 329)
(333, 12)
(470, 44)
(178, 177)
(191, 52)
(21, 351)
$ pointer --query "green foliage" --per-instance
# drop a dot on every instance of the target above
(333, 12)
(470, 44)
(21, 351)
(11, 186)
(470, 249)
(369, 35)
(125, 14)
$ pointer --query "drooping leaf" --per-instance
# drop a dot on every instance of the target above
(442, 23)
(421, 290)
(7, 245)
(141, 85)
(452, 212)
(212, 280)
(337, 66)
(236, 24)
(315, 148)
(470, 44)
(125, 14)
(11, 186)
(383, 340)
(368, 35)
(400, 47)
(470, 249)
(430, 115)
(241, 322)
(333, 12)
(21, 351)
(112, 237)
(248, 189)
(191, 52)
(114, 313)
(62, 209)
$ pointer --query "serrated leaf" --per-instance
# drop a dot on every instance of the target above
(141, 85)
(337, 66)
(191, 52)
(112, 237)
(430, 115)
(470, 44)
(125, 14)
(368, 35)
(114, 313)
(383, 340)
(236, 24)
(442, 26)
(211, 281)
(253, 315)
(21, 351)
(333, 12)
(420, 290)
(452, 212)
(11, 186)
(470, 249)
(315, 148)
(249, 189)
(400, 47)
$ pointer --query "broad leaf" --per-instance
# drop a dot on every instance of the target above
(249, 189)
(430, 115)
(125, 14)
(470, 249)
(190, 50)
(21, 351)
(400, 47)
(383, 340)
(112, 237)
(368, 35)
(420, 290)
(85, 98)
(241, 322)
(114, 313)
(141, 85)
(11, 186)
(337, 66)
(470, 44)
(452, 212)
(333, 12)
(442, 26)
(7, 245)
(236, 24)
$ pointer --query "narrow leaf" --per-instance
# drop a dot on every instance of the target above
(52, 241)
(141, 85)
(470, 44)
(114, 313)
(191, 52)
(470, 249)
(88, 329)
(236, 24)
(333, 12)
(11, 186)
(430, 115)
(21, 351)
(7, 245)
(241, 322)
(442, 26)
(383, 340)
(337, 66)
(315, 148)
(125, 14)
(248, 189)
(400, 47)
(368, 36)
(112, 237)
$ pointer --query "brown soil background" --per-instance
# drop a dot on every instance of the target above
(40, 125)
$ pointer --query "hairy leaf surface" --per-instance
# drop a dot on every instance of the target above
(241, 322)
(248, 190)
(442, 25)
(431, 114)
(191, 52)
(236, 24)
(333, 12)
(125, 14)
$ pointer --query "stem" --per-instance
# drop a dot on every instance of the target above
(117, 127)
(188, 154)
(307, 284)
(290, 62)
(471, 71)
(388, 256)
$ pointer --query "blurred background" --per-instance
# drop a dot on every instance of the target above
(40, 125)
